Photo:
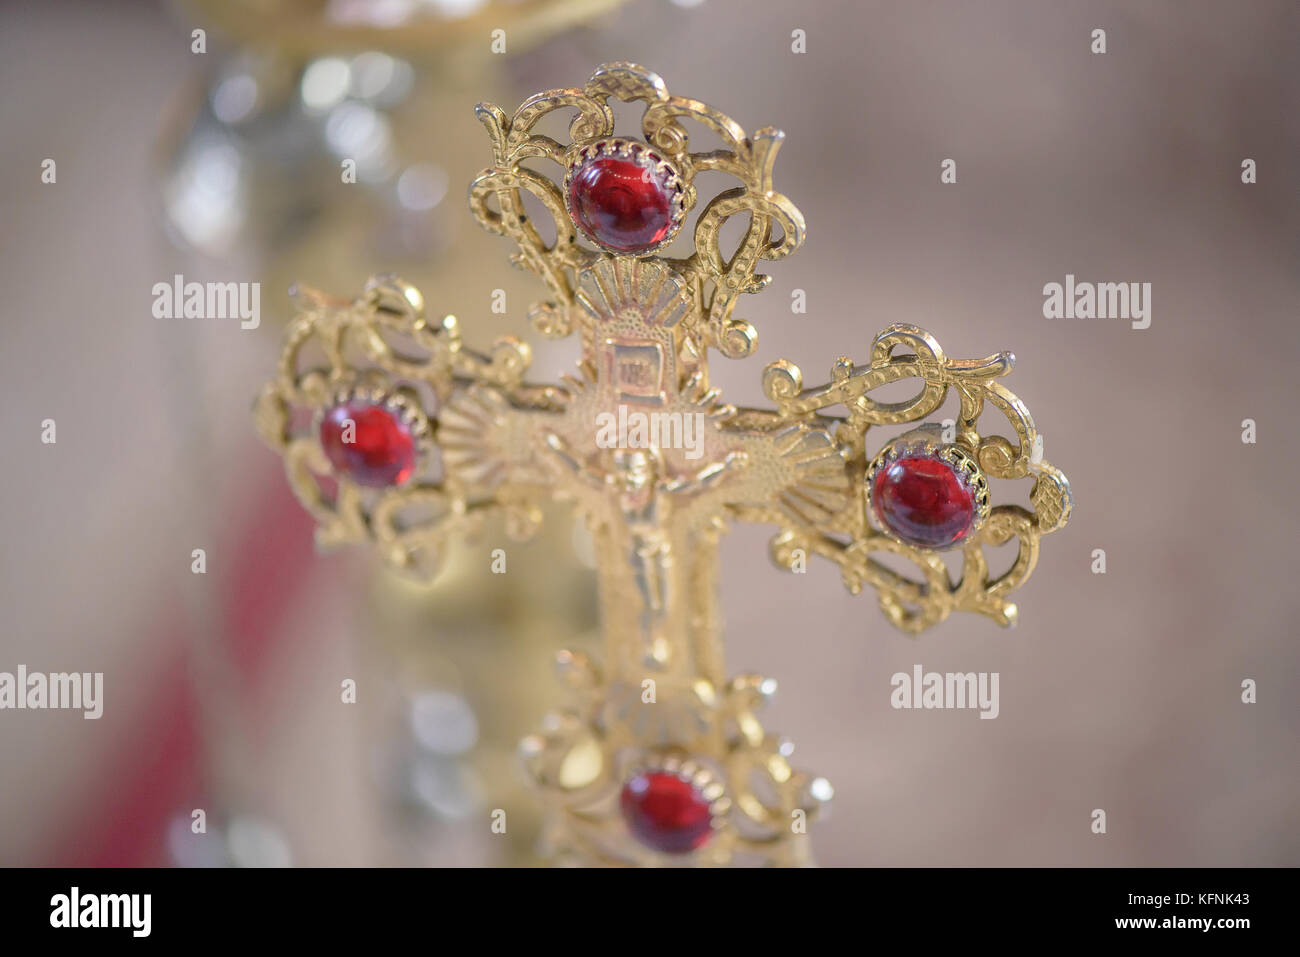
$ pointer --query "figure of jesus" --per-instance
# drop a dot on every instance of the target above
(643, 498)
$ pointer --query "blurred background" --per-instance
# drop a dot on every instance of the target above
(1119, 691)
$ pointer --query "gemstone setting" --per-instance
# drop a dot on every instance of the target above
(624, 196)
(669, 810)
(374, 441)
(927, 494)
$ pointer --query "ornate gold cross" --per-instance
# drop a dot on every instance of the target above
(397, 434)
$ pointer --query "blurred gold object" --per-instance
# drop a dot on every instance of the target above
(662, 759)
(251, 154)
(416, 28)
(319, 138)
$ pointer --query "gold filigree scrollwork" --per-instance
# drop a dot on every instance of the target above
(380, 350)
(899, 353)
(713, 278)
(581, 758)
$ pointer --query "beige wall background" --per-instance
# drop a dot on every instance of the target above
(1119, 691)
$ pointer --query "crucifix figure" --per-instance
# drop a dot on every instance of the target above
(396, 433)
(640, 500)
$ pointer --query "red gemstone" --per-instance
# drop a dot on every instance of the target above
(621, 204)
(666, 813)
(370, 444)
(923, 501)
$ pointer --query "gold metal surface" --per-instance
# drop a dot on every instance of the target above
(656, 509)
(315, 27)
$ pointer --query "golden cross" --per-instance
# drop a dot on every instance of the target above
(414, 437)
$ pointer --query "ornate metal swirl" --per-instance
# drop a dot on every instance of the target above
(713, 278)
(848, 538)
(379, 350)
